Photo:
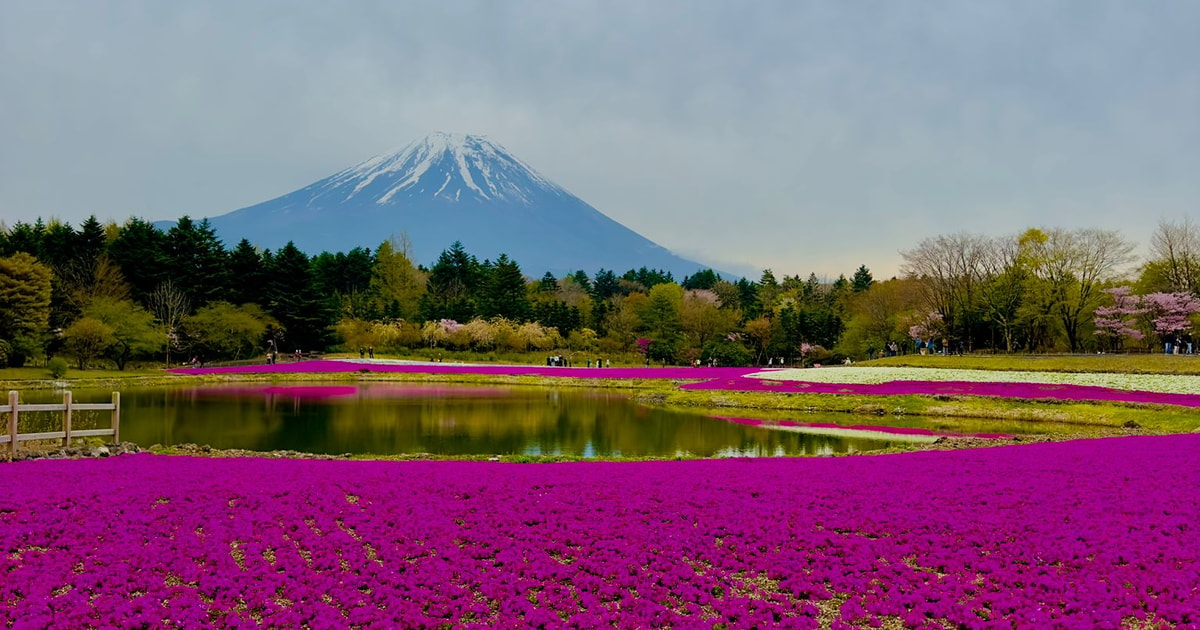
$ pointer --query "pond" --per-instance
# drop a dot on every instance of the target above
(457, 420)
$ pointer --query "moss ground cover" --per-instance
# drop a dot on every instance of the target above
(1086, 534)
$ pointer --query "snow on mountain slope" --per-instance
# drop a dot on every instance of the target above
(445, 188)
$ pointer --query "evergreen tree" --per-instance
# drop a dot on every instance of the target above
(661, 317)
(24, 237)
(396, 284)
(60, 246)
(247, 269)
(453, 282)
(706, 279)
(196, 261)
(548, 284)
(581, 278)
(293, 300)
(91, 243)
(605, 285)
(504, 293)
(748, 299)
(138, 251)
(648, 278)
(558, 315)
(862, 279)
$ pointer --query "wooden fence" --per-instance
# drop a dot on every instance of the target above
(14, 409)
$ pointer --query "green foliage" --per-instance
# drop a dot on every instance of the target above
(196, 261)
(139, 251)
(504, 294)
(706, 279)
(661, 319)
(663, 350)
(293, 300)
(644, 279)
(57, 367)
(451, 287)
(556, 314)
(862, 279)
(727, 352)
(25, 286)
(247, 268)
(25, 297)
(87, 338)
(134, 331)
(605, 285)
(224, 330)
(395, 283)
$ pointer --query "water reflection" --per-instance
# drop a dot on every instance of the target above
(446, 419)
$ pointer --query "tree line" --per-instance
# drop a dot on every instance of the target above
(132, 292)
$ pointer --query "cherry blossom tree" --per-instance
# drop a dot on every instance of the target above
(1119, 321)
(1170, 314)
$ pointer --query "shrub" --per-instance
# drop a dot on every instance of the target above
(58, 367)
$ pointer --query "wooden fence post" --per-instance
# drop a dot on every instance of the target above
(12, 425)
(66, 419)
(116, 417)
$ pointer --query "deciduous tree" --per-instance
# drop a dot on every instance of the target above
(87, 338)
(134, 333)
(24, 304)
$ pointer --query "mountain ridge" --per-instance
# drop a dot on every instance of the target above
(444, 188)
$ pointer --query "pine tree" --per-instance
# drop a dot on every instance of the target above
(453, 283)
(138, 251)
(247, 268)
(605, 285)
(706, 279)
(294, 301)
(504, 293)
(862, 279)
(196, 261)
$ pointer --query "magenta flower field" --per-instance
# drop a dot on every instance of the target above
(1086, 534)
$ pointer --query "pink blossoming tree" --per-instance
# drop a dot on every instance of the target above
(1118, 322)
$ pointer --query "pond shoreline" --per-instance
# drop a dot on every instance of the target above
(941, 443)
(701, 388)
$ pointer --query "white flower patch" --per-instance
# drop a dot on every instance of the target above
(1166, 383)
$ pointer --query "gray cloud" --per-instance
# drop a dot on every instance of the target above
(792, 135)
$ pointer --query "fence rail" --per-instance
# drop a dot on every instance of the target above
(14, 409)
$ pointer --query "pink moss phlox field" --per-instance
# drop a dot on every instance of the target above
(1085, 534)
(1028, 391)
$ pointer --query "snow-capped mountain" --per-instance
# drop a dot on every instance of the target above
(445, 188)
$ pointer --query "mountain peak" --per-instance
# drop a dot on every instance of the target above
(448, 187)
(449, 166)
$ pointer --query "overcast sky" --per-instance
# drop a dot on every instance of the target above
(797, 136)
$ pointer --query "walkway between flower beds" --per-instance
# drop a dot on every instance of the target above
(729, 378)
